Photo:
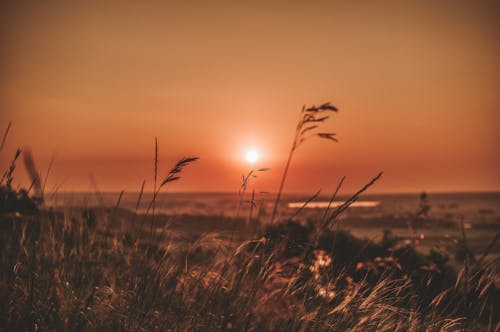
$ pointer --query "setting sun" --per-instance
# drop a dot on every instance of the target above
(252, 156)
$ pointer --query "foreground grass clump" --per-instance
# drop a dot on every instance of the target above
(105, 271)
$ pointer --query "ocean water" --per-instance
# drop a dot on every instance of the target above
(470, 207)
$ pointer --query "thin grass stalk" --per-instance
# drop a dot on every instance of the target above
(241, 192)
(351, 200)
(7, 176)
(140, 196)
(56, 187)
(173, 175)
(244, 185)
(4, 138)
(31, 186)
(252, 204)
(333, 198)
(309, 200)
(154, 185)
(287, 166)
(119, 200)
(46, 177)
(282, 183)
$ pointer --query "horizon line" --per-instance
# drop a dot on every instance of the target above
(429, 192)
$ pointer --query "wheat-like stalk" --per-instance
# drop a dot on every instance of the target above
(172, 175)
(309, 123)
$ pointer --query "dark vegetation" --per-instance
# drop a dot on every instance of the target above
(111, 269)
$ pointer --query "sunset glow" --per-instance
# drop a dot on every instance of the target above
(410, 79)
(252, 156)
(249, 165)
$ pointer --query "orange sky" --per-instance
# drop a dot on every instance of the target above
(93, 82)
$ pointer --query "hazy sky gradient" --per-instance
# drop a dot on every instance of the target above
(417, 85)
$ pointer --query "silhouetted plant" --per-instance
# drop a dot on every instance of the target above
(12, 200)
(4, 137)
(8, 174)
(139, 198)
(332, 217)
(173, 175)
(309, 123)
(245, 181)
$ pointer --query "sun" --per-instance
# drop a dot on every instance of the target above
(252, 156)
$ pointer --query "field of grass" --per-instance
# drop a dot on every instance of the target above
(103, 269)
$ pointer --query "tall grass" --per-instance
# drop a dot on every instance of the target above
(173, 175)
(309, 123)
(60, 274)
